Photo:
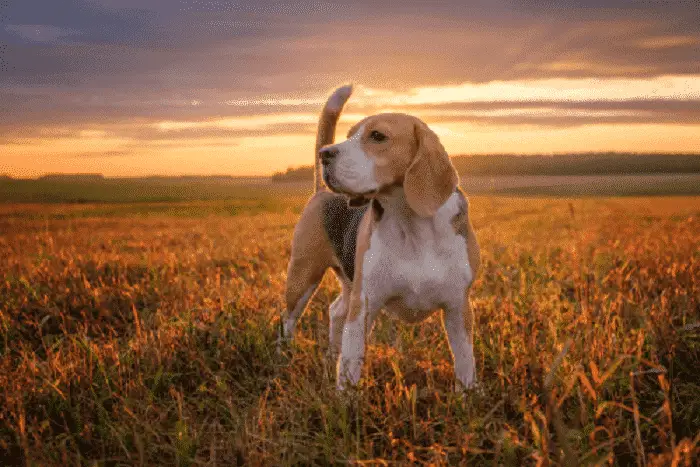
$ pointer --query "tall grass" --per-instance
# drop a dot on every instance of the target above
(150, 341)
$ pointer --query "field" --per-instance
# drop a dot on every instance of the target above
(144, 334)
(260, 194)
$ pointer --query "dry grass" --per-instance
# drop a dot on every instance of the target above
(150, 341)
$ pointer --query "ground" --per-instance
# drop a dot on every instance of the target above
(143, 334)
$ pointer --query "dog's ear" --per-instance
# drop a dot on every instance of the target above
(431, 178)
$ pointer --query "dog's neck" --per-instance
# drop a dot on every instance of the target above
(410, 234)
(393, 203)
(399, 221)
(393, 212)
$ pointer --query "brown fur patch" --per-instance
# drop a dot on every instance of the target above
(431, 178)
(364, 234)
(311, 252)
(463, 227)
(468, 315)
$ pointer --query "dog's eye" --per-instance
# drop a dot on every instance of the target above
(376, 136)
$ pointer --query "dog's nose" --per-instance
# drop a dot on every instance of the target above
(327, 155)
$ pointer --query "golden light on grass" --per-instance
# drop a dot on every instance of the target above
(146, 333)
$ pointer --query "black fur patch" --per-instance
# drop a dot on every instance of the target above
(341, 223)
(357, 202)
(378, 210)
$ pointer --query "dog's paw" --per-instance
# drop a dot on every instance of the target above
(474, 389)
(349, 371)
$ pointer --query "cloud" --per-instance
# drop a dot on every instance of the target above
(217, 129)
(554, 89)
(218, 132)
(254, 48)
(94, 22)
(649, 105)
(100, 154)
(545, 102)
(41, 33)
(551, 119)
(587, 67)
(667, 42)
(124, 64)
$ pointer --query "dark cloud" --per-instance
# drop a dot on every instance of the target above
(83, 21)
(649, 105)
(114, 60)
(568, 121)
(104, 107)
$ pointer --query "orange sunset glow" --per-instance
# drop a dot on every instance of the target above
(138, 88)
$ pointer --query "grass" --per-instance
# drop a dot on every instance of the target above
(142, 210)
(149, 340)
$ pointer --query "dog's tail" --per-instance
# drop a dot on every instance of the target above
(326, 126)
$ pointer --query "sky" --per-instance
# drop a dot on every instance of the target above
(142, 87)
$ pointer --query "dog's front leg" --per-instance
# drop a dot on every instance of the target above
(338, 313)
(358, 325)
(459, 323)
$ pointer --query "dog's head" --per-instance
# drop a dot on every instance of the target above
(387, 150)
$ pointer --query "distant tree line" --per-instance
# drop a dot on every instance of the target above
(608, 163)
(98, 177)
(81, 177)
(577, 164)
(294, 174)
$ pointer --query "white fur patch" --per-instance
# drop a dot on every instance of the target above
(421, 261)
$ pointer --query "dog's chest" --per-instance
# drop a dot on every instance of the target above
(413, 276)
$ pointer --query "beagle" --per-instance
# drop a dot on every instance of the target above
(395, 230)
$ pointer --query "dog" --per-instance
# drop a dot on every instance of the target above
(395, 230)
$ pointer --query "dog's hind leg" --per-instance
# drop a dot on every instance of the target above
(304, 282)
